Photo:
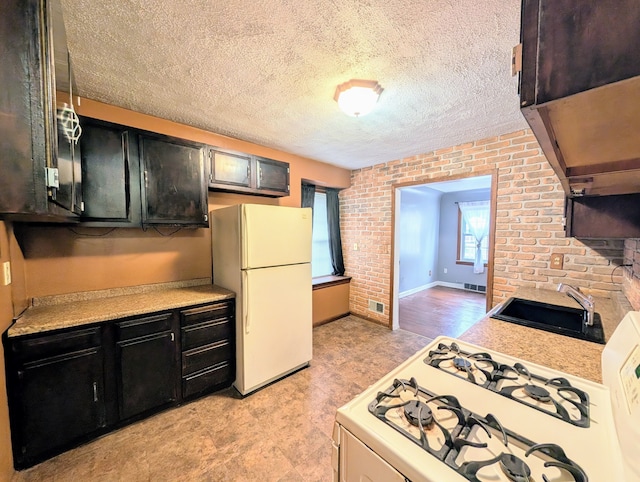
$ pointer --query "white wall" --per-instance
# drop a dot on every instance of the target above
(448, 239)
(417, 238)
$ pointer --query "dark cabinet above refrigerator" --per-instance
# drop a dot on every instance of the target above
(580, 91)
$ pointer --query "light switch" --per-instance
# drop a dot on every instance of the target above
(6, 273)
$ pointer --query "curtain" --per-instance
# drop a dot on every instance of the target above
(335, 243)
(476, 215)
(308, 195)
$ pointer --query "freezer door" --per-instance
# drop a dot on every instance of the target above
(275, 235)
(276, 325)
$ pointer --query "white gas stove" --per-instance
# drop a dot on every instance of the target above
(456, 412)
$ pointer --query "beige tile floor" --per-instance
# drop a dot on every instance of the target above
(280, 433)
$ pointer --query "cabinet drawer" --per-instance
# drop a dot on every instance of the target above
(206, 356)
(205, 333)
(207, 379)
(206, 313)
(143, 326)
(45, 346)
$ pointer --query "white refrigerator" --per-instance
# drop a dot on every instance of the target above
(263, 254)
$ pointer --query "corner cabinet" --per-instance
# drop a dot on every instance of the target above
(579, 85)
(174, 181)
(233, 171)
(39, 154)
(66, 387)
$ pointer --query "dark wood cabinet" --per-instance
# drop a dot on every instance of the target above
(208, 348)
(39, 152)
(56, 392)
(146, 364)
(579, 83)
(174, 181)
(68, 386)
(603, 216)
(238, 172)
(111, 175)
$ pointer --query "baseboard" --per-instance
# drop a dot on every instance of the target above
(418, 289)
(458, 286)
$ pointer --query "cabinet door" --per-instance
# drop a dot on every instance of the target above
(230, 169)
(61, 400)
(147, 375)
(111, 187)
(174, 184)
(272, 176)
(582, 45)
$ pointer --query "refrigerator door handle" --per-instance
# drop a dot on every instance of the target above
(245, 303)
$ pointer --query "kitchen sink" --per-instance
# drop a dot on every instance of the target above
(562, 320)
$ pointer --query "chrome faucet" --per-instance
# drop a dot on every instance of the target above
(585, 301)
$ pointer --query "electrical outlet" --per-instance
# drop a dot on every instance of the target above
(429, 272)
(557, 260)
(445, 271)
(6, 273)
(355, 246)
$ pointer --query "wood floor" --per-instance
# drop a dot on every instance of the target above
(441, 311)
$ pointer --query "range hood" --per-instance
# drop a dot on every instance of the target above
(580, 91)
(592, 138)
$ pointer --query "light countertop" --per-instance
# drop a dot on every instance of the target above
(570, 355)
(82, 310)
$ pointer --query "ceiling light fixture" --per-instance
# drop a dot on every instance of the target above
(357, 97)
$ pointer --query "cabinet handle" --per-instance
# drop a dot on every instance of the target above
(260, 174)
(248, 171)
(95, 391)
(173, 337)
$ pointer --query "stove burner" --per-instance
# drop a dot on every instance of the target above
(540, 394)
(462, 364)
(514, 468)
(419, 414)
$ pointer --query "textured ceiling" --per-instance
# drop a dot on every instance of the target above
(266, 70)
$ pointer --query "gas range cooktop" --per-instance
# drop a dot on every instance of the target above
(456, 411)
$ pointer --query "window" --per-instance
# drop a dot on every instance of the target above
(467, 241)
(320, 254)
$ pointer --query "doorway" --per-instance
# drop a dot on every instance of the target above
(435, 289)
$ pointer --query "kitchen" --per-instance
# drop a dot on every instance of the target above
(529, 196)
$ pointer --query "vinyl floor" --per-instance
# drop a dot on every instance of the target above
(441, 311)
(280, 433)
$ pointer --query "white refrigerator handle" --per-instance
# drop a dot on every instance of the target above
(245, 303)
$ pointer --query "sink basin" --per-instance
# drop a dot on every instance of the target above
(554, 318)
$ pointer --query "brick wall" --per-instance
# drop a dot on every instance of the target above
(631, 282)
(530, 207)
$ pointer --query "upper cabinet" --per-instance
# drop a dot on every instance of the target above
(39, 150)
(111, 174)
(579, 91)
(238, 172)
(174, 181)
(133, 178)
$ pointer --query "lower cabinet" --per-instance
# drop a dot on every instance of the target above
(69, 386)
(56, 392)
(208, 348)
(146, 364)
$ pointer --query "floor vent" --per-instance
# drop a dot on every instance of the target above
(375, 306)
(478, 288)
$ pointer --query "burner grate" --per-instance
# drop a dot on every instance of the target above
(553, 396)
